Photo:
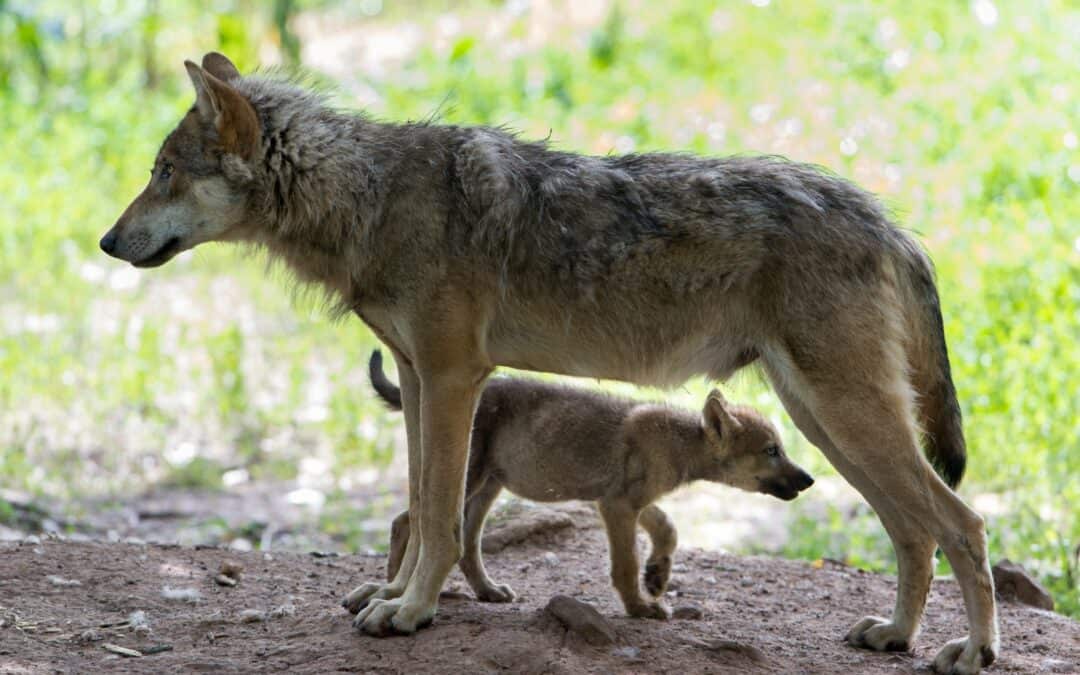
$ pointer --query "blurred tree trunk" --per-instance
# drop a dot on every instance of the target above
(151, 25)
(290, 44)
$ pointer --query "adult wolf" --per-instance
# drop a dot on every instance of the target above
(466, 248)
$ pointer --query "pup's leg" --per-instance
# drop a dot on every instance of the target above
(664, 539)
(867, 414)
(472, 563)
(621, 523)
(448, 403)
(913, 544)
(360, 596)
(399, 539)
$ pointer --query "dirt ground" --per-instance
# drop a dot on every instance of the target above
(62, 602)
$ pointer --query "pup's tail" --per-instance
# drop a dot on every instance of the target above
(387, 390)
(938, 409)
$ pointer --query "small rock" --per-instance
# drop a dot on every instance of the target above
(520, 526)
(1013, 582)
(57, 580)
(89, 635)
(288, 609)
(134, 541)
(223, 580)
(680, 568)
(687, 613)
(139, 622)
(112, 536)
(189, 595)
(582, 619)
(252, 616)
(627, 652)
(550, 559)
(32, 539)
(749, 651)
(241, 544)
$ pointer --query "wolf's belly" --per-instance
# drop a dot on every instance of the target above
(649, 344)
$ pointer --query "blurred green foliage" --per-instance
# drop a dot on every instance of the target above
(964, 118)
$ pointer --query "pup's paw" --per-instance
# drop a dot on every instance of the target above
(650, 610)
(657, 575)
(359, 597)
(393, 617)
(879, 635)
(493, 593)
(964, 657)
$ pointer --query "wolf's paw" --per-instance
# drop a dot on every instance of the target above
(964, 657)
(649, 610)
(359, 597)
(493, 593)
(393, 617)
(880, 635)
(657, 574)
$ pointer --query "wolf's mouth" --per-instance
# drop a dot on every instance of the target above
(162, 256)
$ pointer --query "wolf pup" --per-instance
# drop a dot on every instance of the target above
(464, 248)
(548, 443)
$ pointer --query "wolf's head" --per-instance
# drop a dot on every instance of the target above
(747, 451)
(201, 181)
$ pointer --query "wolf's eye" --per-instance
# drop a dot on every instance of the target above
(166, 171)
(772, 451)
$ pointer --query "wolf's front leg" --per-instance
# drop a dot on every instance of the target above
(359, 597)
(620, 520)
(448, 401)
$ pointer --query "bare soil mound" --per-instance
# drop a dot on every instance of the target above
(75, 606)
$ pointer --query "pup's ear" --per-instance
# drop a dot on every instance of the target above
(219, 65)
(718, 415)
(225, 108)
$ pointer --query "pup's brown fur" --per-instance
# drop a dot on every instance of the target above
(551, 443)
(467, 248)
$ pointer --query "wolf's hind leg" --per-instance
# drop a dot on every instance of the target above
(867, 418)
(472, 562)
(913, 544)
(664, 538)
(399, 539)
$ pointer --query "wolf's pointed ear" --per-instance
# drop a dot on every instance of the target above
(225, 108)
(718, 415)
(219, 65)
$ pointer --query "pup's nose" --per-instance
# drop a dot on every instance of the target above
(804, 481)
(108, 242)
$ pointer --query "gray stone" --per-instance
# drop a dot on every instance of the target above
(582, 619)
(1012, 582)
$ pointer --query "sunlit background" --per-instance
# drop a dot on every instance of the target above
(205, 403)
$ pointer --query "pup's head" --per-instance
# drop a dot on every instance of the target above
(202, 177)
(746, 451)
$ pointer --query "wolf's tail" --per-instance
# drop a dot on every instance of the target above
(387, 390)
(938, 409)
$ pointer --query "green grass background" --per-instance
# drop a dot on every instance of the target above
(963, 116)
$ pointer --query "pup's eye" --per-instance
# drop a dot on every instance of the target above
(166, 171)
(772, 451)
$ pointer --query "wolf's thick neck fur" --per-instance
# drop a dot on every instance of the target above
(325, 176)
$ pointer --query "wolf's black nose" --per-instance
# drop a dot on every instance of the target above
(108, 242)
(805, 481)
